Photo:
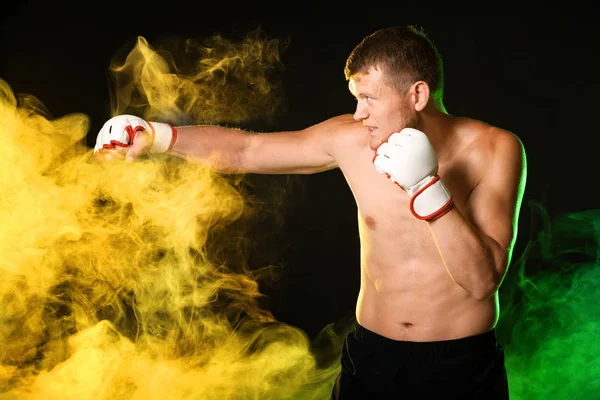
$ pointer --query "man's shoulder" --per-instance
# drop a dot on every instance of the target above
(340, 123)
(502, 149)
(339, 129)
(494, 136)
(505, 141)
(342, 135)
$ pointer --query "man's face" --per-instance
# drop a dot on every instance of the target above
(380, 107)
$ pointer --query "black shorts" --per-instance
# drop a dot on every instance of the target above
(375, 367)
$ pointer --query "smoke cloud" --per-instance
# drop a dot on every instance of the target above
(550, 318)
(126, 281)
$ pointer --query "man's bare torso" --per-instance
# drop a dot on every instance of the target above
(406, 292)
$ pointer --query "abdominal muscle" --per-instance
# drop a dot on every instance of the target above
(406, 292)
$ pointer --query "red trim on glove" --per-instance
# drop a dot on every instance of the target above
(442, 211)
(436, 214)
(385, 141)
(375, 155)
(113, 143)
(132, 132)
(173, 137)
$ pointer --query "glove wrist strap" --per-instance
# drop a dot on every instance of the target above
(431, 201)
(164, 137)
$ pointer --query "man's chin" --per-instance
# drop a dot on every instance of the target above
(375, 143)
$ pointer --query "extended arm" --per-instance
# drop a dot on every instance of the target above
(227, 150)
(232, 150)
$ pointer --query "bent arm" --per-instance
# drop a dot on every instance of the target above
(477, 243)
(229, 150)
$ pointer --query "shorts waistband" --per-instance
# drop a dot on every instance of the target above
(468, 345)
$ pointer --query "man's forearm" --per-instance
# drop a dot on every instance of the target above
(221, 148)
(476, 261)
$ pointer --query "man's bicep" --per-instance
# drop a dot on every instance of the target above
(493, 214)
(495, 203)
(295, 152)
(305, 151)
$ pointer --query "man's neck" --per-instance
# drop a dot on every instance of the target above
(438, 126)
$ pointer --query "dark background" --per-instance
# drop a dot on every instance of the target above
(529, 70)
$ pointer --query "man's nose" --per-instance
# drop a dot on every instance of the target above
(360, 113)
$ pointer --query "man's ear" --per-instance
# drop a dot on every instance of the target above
(420, 95)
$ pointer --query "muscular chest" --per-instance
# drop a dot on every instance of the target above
(380, 200)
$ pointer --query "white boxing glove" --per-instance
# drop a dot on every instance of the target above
(123, 129)
(408, 159)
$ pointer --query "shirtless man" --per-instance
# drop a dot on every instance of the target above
(433, 252)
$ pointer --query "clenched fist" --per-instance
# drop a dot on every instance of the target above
(130, 136)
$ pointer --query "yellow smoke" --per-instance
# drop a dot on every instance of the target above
(220, 80)
(113, 282)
